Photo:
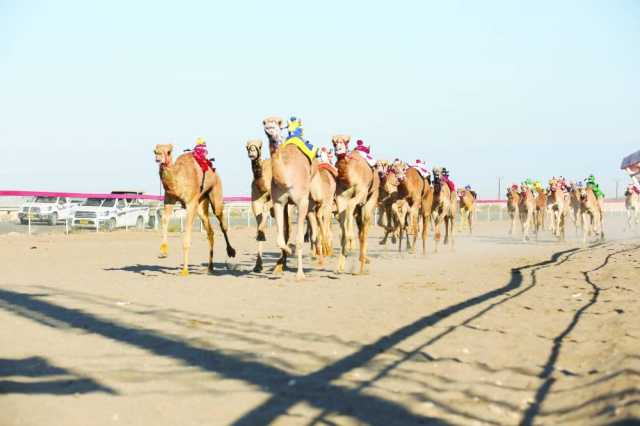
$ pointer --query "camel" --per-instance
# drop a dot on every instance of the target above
(387, 196)
(540, 210)
(322, 193)
(443, 208)
(467, 207)
(574, 207)
(632, 206)
(412, 188)
(356, 198)
(558, 203)
(397, 206)
(592, 213)
(290, 183)
(526, 209)
(513, 206)
(184, 182)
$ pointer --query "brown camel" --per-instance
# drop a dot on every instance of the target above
(183, 182)
(443, 208)
(411, 189)
(591, 212)
(526, 209)
(467, 206)
(541, 210)
(356, 198)
(322, 194)
(387, 196)
(513, 206)
(261, 204)
(398, 208)
(632, 206)
(574, 207)
(291, 181)
(558, 203)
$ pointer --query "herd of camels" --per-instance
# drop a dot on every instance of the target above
(350, 190)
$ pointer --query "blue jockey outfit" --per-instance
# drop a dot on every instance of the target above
(296, 137)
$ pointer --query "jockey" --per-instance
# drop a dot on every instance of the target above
(632, 188)
(200, 154)
(537, 186)
(360, 146)
(294, 128)
(445, 177)
(591, 182)
(473, 193)
(296, 136)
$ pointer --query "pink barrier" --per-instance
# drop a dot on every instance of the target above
(7, 193)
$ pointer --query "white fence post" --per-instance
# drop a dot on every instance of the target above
(29, 218)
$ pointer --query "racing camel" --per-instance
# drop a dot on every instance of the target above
(443, 208)
(322, 194)
(526, 209)
(591, 211)
(467, 206)
(513, 206)
(356, 198)
(184, 181)
(290, 183)
(558, 203)
(632, 206)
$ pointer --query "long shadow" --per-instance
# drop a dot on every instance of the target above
(145, 270)
(371, 410)
(37, 367)
(277, 405)
(287, 389)
(550, 365)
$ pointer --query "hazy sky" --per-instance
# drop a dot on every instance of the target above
(488, 89)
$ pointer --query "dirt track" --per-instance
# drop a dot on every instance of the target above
(97, 330)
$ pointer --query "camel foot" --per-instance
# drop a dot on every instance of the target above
(231, 252)
(278, 269)
(341, 262)
(210, 268)
(300, 276)
(261, 236)
(164, 249)
(184, 272)
(393, 239)
(258, 267)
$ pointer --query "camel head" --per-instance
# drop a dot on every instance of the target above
(341, 144)
(382, 166)
(163, 154)
(399, 168)
(273, 127)
(254, 149)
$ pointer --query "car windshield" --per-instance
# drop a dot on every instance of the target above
(93, 202)
(109, 202)
(45, 200)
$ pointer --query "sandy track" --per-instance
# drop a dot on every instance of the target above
(97, 330)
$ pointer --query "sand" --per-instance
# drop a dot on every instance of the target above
(97, 330)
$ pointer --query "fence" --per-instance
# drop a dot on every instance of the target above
(237, 212)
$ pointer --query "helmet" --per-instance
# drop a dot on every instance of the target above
(200, 141)
(468, 187)
(445, 172)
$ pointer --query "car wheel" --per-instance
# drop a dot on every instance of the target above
(53, 219)
(140, 223)
(152, 221)
(24, 221)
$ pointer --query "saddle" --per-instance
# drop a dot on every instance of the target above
(329, 167)
(307, 148)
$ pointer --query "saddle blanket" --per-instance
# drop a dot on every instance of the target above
(202, 161)
(368, 158)
(307, 149)
(328, 167)
(421, 168)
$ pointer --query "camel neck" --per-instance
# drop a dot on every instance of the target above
(273, 144)
(256, 168)
(166, 176)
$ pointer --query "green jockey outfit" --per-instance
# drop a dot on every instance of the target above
(591, 183)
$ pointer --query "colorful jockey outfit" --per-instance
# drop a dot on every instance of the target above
(365, 152)
(296, 137)
(421, 167)
(591, 182)
(632, 188)
(449, 182)
(200, 154)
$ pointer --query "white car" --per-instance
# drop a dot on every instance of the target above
(111, 213)
(47, 209)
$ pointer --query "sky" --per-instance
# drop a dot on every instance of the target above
(492, 89)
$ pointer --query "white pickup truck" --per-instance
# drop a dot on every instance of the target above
(46, 209)
(111, 213)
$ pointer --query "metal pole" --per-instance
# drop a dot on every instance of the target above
(499, 187)
(29, 218)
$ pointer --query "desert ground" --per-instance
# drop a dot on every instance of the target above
(97, 330)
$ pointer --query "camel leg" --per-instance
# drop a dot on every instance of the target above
(258, 208)
(366, 217)
(471, 213)
(203, 214)
(186, 241)
(324, 221)
(342, 220)
(217, 204)
(279, 208)
(303, 206)
(316, 237)
(425, 232)
(166, 216)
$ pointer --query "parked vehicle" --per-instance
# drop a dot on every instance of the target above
(47, 209)
(111, 213)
